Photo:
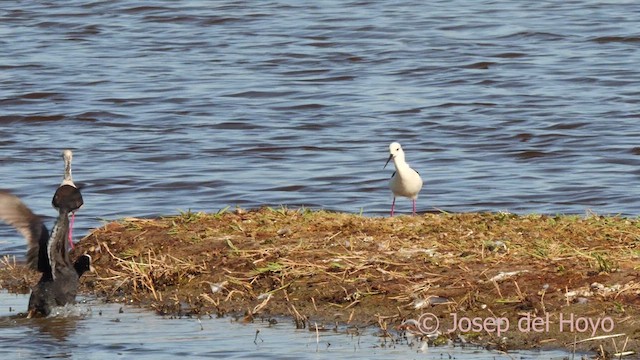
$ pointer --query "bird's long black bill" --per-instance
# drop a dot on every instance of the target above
(389, 159)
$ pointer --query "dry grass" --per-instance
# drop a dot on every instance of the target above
(318, 266)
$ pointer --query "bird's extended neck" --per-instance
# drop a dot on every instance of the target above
(401, 165)
(68, 180)
(57, 246)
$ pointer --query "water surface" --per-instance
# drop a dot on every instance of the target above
(500, 105)
(94, 330)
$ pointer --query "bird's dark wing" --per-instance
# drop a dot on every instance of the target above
(15, 213)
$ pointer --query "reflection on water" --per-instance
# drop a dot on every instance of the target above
(104, 331)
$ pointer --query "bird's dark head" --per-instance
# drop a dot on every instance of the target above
(67, 198)
(83, 264)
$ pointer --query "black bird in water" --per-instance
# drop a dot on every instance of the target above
(68, 197)
(47, 253)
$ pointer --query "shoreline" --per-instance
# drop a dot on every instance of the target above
(503, 281)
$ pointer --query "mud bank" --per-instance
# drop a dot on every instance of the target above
(500, 280)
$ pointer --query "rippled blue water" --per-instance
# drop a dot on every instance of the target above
(524, 107)
(501, 105)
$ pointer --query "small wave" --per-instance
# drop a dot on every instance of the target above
(566, 126)
(260, 94)
(71, 311)
(220, 20)
(322, 44)
(533, 35)
(143, 9)
(289, 188)
(453, 104)
(510, 55)
(21, 66)
(310, 126)
(92, 116)
(30, 118)
(305, 72)
(299, 107)
(13, 101)
(407, 111)
(237, 125)
(479, 65)
(40, 95)
(331, 79)
(524, 137)
(616, 39)
(172, 19)
(530, 154)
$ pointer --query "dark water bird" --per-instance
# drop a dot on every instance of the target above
(405, 181)
(47, 253)
(68, 197)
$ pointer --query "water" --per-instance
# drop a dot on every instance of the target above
(108, 331)
(501, 105)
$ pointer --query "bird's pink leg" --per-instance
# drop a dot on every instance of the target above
(414, 206)
(393, 204)
(73, 217)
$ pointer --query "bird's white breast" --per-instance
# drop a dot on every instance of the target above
(407, 184)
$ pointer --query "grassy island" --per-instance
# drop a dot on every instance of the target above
(501, 280)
